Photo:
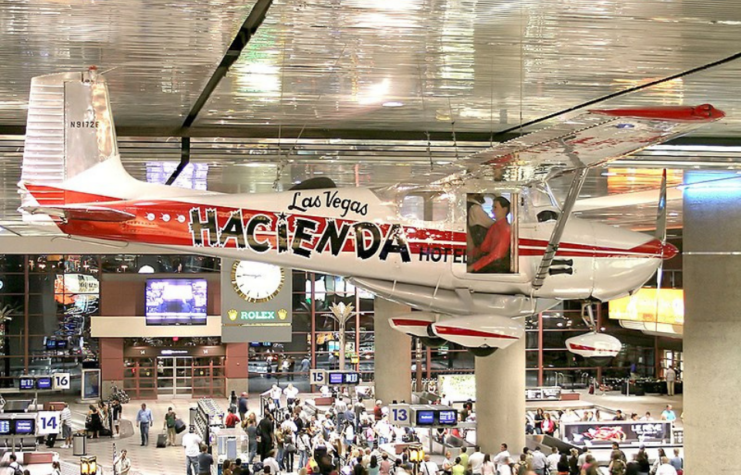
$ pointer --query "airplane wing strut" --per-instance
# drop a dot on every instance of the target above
(580, 174)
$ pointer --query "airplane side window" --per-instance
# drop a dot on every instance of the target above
(547, 215)
(489, 234)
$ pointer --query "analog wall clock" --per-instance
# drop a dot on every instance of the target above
(257, 282)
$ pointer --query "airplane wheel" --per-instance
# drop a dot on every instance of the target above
(482, 351)
(432, 342)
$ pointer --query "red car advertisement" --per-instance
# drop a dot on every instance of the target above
(623, 432)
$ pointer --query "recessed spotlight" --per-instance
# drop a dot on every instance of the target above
(393, 104)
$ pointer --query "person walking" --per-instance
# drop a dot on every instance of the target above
(169, 426)
(122, 464)
(144, 420)
(66, 420)
(192, 443)
(205, 461)
(242, 406)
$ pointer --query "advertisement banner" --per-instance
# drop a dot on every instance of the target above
(90, 384)
(543, 394)
(624, 432)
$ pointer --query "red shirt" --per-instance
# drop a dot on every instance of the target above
(496, 244)
(231, 420)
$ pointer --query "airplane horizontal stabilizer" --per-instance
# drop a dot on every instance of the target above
(81, 213)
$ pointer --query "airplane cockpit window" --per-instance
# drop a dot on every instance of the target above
(489, 233)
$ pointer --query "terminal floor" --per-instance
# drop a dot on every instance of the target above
(171, 460)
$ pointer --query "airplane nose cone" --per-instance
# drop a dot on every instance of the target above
(668, 251)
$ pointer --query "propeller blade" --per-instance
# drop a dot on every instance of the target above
(661, 212)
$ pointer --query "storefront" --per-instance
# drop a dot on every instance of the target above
(181, 369)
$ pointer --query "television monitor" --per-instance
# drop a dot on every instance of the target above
(4, 426)
(43, 382)
(25, 384)
(61, 344)
(425, 418)
(333, 346)
(351, 378)
(448, 417)
(176, 301)
(51, 344)
(24, 426)
(335, 378)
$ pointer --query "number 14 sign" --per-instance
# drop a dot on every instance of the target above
(48, 422)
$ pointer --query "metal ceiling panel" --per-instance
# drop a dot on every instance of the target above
(160, 53)
(485, 65)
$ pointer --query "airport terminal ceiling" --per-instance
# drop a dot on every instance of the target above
(350, 89)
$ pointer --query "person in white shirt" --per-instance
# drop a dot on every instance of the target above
(291, 392)
(488, 468)
(275, 393)
(303, 444)
(583, 457)
(665, 468)
(288, 424)
(476, 459)
(66, 420)
(340, 405)
(553, 459)
(671, 377)
(191, 442)
(505, 469)
(122, 464)
(429, 467)
(271, 462)
(503, 455)
(539, 461)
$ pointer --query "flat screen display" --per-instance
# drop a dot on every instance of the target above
(24, 426)
(51, 344)
(176, 301)
(43, 383)
(26, 383)
(351, 378)
(61, 344)
(448, 417)
(335, 378)
(4, 426)
(425, 418)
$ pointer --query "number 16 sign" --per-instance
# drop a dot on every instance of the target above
(61, 381)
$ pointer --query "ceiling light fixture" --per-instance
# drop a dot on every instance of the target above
(393, 104)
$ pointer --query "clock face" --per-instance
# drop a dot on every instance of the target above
(257, 282)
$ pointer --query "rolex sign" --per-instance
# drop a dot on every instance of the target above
(255, 302)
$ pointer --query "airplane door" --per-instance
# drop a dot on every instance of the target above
(491, 230)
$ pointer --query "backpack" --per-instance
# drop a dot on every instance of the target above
(618, 467)
(17, 470)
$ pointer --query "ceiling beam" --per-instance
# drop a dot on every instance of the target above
(289, 133)
(244, 35)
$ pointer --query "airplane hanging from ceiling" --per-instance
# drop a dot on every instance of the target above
(472, 245)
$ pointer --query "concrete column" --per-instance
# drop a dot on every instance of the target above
(111, 364)
(393, 358)
(235, 368)
(500, 399)
(712, 329)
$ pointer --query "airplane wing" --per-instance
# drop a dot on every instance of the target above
(584, 141)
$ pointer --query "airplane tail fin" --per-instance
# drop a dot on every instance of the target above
(69, 132)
